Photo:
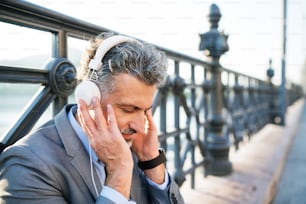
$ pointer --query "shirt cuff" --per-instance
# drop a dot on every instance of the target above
(162, 186)
(115, 196)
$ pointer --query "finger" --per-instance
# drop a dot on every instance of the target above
(99, 117)
(85, 119)
(111, 118)
(83, 112)
(150, 121)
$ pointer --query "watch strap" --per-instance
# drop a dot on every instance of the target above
(161, 158)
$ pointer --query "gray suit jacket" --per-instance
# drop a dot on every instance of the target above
(52, 166)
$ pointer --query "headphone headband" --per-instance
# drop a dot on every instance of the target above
(87, 89)
(104, 47)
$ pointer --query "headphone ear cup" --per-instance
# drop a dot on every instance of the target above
(86, 90)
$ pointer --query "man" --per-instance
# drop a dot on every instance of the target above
(104, 149)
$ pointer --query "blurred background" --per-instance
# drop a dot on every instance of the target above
(255, 29)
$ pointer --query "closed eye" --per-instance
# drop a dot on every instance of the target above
(132, 108)
(128, 108)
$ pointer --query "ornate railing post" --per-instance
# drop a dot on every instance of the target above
(270, 72)
(217, 144)
(272, 93)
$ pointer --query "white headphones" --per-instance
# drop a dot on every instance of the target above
(87, 89)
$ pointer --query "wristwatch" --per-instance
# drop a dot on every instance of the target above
(161, 158)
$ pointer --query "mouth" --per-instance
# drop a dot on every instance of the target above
(127, 135)
(128, 131)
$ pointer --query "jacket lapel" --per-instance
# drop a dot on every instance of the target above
(74, 148)
(84, 170)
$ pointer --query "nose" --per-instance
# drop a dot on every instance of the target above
(138, 119)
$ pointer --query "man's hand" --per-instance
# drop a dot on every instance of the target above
(146, 145)
(108, 144)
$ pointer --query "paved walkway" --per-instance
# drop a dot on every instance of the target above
(257, 167)
(292, 185)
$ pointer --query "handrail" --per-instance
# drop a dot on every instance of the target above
(37, 17)
(23, 75)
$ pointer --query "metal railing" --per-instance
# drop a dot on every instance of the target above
(203, 108)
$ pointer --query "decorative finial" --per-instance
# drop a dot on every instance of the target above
(213, 42)
(214, 16)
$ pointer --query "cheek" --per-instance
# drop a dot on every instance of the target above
(122, 120)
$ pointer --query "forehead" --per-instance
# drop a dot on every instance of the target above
(130, 90)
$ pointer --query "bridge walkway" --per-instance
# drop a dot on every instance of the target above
(258, 168)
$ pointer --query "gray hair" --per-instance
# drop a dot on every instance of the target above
(139, 59)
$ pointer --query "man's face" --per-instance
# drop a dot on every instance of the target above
(130, 99)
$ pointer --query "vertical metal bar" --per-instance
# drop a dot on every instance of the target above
(59, 49)
(205, 110)
(283, 96)
(193, 147)
(163, 120)
(207, 158)
(177, 141)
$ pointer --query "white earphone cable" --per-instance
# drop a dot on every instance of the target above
(91, 170)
